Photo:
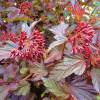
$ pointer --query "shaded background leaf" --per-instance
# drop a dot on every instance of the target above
(80, 88)
(6, 50)
(3, 92)
(95, 73)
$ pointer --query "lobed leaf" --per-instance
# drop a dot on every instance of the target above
(54, 55)
(68, 66)
(54, 88)
(59, 32)
(81, 89)
(23, 88)
(39, 71)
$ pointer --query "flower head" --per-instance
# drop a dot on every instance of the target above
(24, 7)
(84, 33)
(30, 48)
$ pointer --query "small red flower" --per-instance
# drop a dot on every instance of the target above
(8, 36)
(24, 7)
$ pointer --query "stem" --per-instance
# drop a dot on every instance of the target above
(63, 49)
(27, 76)
(2, 83)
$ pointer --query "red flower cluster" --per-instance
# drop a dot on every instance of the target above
(24, 7)
(31, 48)
(84, 33)
(8, 36)
(37, 36)
(22, 38)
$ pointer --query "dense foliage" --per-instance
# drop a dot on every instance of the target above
(49, 50)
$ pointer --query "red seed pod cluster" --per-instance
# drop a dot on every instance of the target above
(8, 36)
(38, 37)
(20, 54)
(25, 6)
(22, 38)
(38, 43)
(31, 48)
(86, 32)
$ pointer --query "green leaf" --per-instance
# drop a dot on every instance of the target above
(96, 11)
(95, 73)
(24, 70)
(68, 66)
(65, 13)
(97, 24)
(51, 16)
(98, 97)
(23, 88)
(54, 88)
(96, 3)
(45, 92)
(25, 19)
